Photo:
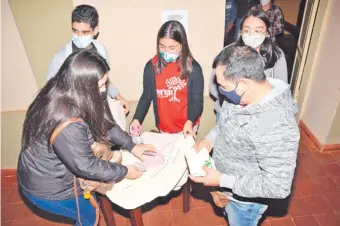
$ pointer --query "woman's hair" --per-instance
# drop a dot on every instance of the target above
(174, 30)
(72, 93)
(268, 50)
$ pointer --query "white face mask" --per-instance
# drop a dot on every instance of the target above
(253, 41)
(265, 2)
(82, 41)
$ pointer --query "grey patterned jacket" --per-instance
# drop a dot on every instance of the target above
(255, 147)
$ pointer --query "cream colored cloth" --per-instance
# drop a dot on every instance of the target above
(117, 112)
(158, 180)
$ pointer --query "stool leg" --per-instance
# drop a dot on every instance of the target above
(186, 197)
(106, 207)
(136, 217)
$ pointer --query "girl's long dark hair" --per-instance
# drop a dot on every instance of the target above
(174, 30)
(72, 93)
(268, 50)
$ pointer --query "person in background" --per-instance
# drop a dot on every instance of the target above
(173, 81)
(275, 16)
(256, 34)
(46, 168)
(256, 139)
(230, 16)
(85, 28)
(243, 6)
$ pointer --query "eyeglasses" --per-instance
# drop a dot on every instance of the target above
(253, 32)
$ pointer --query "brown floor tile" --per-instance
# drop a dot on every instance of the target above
(6, 223)
(305, 221)
(8, 212)
(8, 182)
(299, 207)
(334, 201)
(146, 219)
(326, 185)
(4, 194)
(121, 220)
(328, 219)
(323, 157)
(206, 216)
(306, 159)
(160, 218)
(301, 174)
(306, 187)
(179, 218)
(200, 203)
(177, 202)
(316, 170)
(23, 212)
(14, 196)
(39, 222)
(337, 181)
(333, 169)
(336, 155)
(318, 204)
(286, 221)
(266, 223)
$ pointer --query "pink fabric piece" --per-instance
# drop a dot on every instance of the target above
(157, 159)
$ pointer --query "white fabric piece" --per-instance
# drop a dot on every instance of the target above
(157, 180)
(117, 112)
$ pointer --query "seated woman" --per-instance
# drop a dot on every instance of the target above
(256, 34)
(174, 82)
(47, 170)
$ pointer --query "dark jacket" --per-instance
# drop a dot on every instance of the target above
(243, 6)
(47, 171)
(195, 93)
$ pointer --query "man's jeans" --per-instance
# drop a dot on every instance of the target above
(244, 214)
(67, 208)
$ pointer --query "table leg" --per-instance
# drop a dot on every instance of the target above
(186, 197)
(106, 207)
(136, 217)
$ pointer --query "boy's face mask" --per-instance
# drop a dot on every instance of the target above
(82, 41)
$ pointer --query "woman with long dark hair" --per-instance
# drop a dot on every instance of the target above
(47, 170)
(255, 33)
(174, 82)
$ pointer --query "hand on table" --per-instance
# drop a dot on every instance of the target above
(212, 177)
(140, 149)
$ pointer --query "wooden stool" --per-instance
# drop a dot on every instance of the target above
(136, 214)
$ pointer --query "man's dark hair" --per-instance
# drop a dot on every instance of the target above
(240, 62)
(86, 14)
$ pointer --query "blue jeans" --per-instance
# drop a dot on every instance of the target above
(67, 208)
(244, 214)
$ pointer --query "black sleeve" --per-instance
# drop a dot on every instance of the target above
(146, 98)
(73, 147)
(195, 106)
(121, 138)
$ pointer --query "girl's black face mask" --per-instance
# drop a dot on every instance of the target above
(103, 95)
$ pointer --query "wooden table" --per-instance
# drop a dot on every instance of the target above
(136, 214)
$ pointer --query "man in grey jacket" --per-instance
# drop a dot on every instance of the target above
(256, 138)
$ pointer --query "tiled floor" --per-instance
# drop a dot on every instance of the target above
(315, 200)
